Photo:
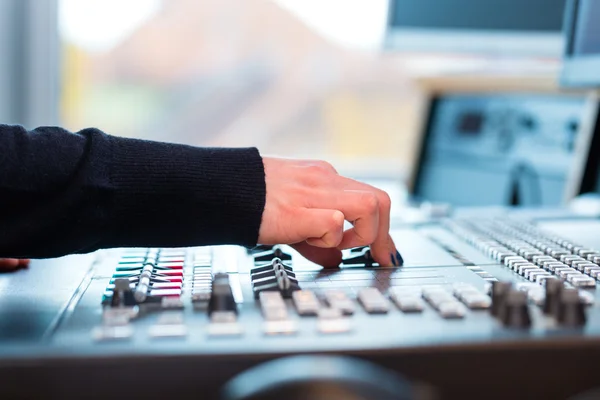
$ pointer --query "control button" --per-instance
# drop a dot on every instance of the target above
(332, 320)
(408, 301)
(564, 272)
(571, 310)
(280, 327)
(373, 301)
(221, 298)
(167, 331)
(201, 297)
(339, 300)
(451, 309)
(551, 265)
(514, 312)
(523, 268)
(532, 274)
(588, 269)
(578, 263)
(224, 329)
(165, 292)
(273, 307)
(540, 259)
(306, 302)
(581, 281)
(553, 291)
(111, 333)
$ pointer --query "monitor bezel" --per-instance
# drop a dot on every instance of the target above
(510, 43)
(577, 71)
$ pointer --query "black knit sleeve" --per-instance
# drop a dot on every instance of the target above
(63, 193)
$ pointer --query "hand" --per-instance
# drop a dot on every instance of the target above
(12, 264)
(307, 204)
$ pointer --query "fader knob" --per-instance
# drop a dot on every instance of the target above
(499, 292)
(122, 294)
(554, 289)
(514, 312)
(571, 310)
(221, 298)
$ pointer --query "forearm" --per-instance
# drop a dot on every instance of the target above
(63, 192)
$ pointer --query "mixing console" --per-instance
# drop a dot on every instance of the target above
(469, 300)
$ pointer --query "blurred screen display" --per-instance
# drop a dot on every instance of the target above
(518, 15)
(587, 30)
(498, 150)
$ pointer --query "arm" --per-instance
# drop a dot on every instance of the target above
(63, 193)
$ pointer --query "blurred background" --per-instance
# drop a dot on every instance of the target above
(342, 80)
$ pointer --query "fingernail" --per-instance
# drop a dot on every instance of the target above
(393, 258)
(399, 259)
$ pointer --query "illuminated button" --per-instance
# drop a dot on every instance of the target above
(167, 285)
(130, 267)
(171, 259)
(132, 260)
(170, 265)
(165, 292)
(170, 272)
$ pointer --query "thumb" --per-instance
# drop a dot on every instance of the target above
(320, 227)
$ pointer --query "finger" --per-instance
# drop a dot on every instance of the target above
(328, 258)
(8, 264)
(359, 207)
(383, 248)
(319, 227)
(24, 262)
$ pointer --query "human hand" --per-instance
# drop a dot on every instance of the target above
(12, 264)
(306, 206)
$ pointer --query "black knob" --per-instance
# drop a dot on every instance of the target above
(499, 292)
(514, 312)
(221, 298)
(554, 289)
(122, 294)
(571, 310)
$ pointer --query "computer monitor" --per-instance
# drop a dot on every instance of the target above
(494, 149)
(506, 27)
(581, 61)
(581, 69)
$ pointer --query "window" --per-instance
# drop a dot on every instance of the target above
(295, 78)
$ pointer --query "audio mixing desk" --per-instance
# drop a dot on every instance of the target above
(492, 309)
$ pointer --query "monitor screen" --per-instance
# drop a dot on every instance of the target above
(493, 15)
(586, 38)
(581, 62)
(532, 27)
(483, 150)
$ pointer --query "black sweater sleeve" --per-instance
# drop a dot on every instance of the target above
(64, 193)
